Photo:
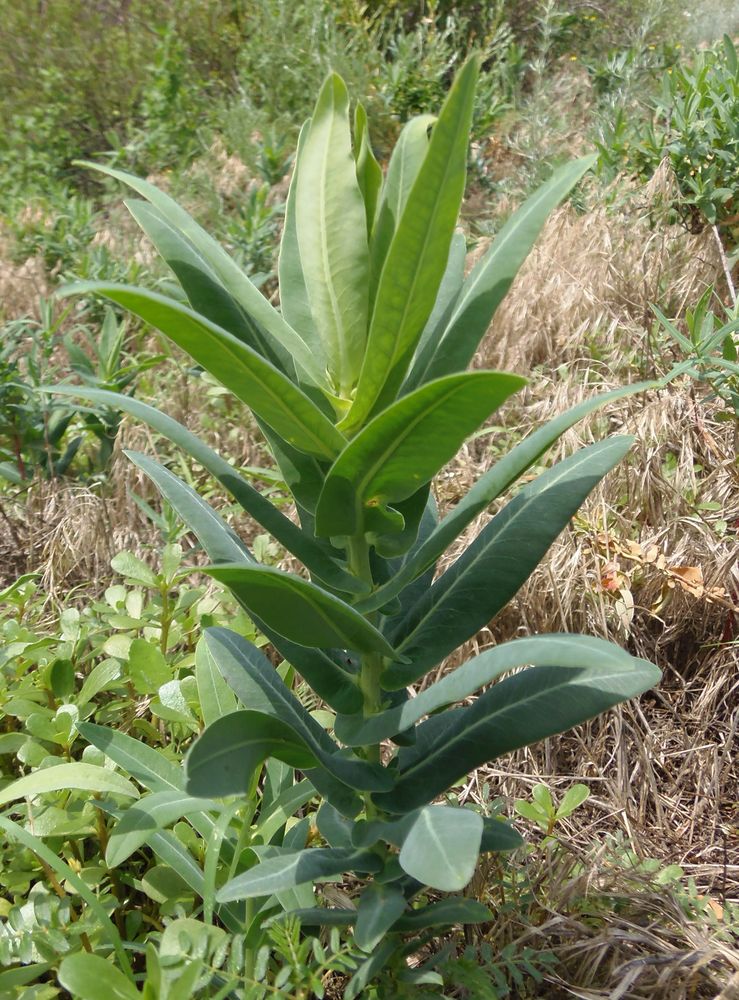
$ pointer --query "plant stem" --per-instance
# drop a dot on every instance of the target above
(371, 663)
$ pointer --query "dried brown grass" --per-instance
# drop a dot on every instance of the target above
(591, 278)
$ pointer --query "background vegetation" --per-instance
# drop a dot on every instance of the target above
(630, 891)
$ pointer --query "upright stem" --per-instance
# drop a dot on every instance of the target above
(371, 663)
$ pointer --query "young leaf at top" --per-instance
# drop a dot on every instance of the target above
(405, 162)
(369, 172)
(293, 293)
(417, 256)
(406, 445)
(332, 236)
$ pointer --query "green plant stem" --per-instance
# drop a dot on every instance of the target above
(371, 663)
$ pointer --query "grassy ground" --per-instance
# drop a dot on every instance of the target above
(636, 894)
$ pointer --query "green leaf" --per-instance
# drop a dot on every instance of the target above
(252, 379)
(514, 713)
(369, 172)
(63, 777)
(493, 275)
(320, 669)
(216, 537)
(310, 553)
(379, 908)
(490, 486)
(405, 163)
(230, 274)
(500, 559)
(417, 256)
(223, 759)
(151, 813)
(442, 847)
(148, 766)
(449, 290)
(133, 569)
(573, 798)
(259, 687)
(560, 650)
(405, 446)
(293, 293)
(292, 868)
(202, 286)
(332, 236)
(215, 696)
(147, 667)
(89, 977)
(444, 913)
(499, 836)
(300, 610)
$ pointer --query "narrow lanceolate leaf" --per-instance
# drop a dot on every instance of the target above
(310, 553)
(417, 256)
(514, 713)
(444, 913)
(559, 650)
(380, 906)
(230, 274)
(404, 447)
(293, 868)
(223, 759)
(369, 172)
(493, 275)
(259, 687)
(502, 557)
(216, 537)
(300, 610)
(405, 162)
(148, 766)
(293, 293)
(202, 286)
(332, 236)
(147, 816)
(488, 487)
(449, 290)
(215, 696)
(318, 667)
(256, 382)
(442, 847)
(63, 777)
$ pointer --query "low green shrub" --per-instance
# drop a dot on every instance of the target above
(695, 125)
